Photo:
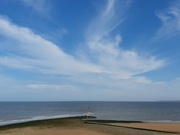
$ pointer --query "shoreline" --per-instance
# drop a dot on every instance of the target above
(81, 124)
(94, 118)
(38, 118)
(39, 121)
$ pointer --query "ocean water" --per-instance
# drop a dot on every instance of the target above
(16, 112)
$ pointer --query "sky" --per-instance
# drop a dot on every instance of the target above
(89, 50)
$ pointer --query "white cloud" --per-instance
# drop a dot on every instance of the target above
(170, 21)
(40, 6)
(108, 70)
(52, 87)
(113, 59)
(108, 19)
(89, 87)
(106, 52)
(142, 79)
(38, 53)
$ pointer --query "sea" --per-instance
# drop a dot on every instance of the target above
(18, 112)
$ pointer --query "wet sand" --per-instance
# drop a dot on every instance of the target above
(169, 127)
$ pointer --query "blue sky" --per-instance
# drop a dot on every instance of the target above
(109, 50)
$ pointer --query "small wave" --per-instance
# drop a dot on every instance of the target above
(8, 122)
(88, 114)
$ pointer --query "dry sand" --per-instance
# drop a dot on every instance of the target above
(169, 127)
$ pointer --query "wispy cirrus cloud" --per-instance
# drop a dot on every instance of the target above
(35, 52)
(170, 21)
(103, 70)
(93, 87)
(105, 50)
(103, 53)
(52, 87)
(109, 17)
(42, 7)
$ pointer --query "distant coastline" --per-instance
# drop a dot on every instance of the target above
(168, 101)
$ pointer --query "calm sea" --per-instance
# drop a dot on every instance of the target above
(15, 112)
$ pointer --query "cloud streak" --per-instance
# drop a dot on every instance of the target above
(100, 70)
(170, 21)
(105, 50)
(52, 87)
(38, 53)
(109, 17)
(40, 6)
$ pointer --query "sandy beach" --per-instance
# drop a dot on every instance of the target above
(169, 127)
(77, 126)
